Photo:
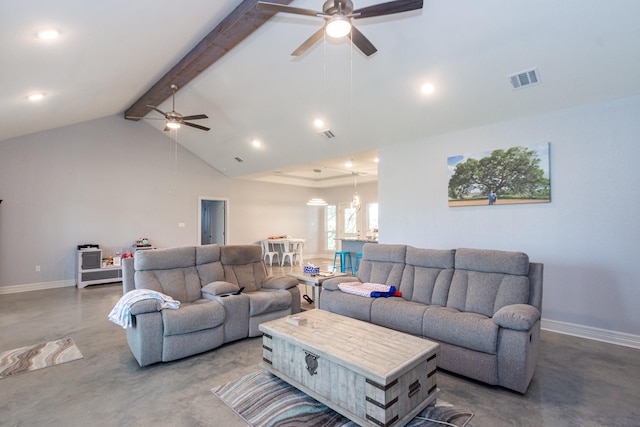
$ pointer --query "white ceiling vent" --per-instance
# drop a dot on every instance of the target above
(327, 134)
(524, 78)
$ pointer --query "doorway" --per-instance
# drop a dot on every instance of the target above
(212, 219)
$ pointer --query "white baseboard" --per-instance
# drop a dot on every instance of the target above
(604, 335)
(36, 286)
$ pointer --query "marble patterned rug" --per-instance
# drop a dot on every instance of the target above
(264, 400)
(34, 357)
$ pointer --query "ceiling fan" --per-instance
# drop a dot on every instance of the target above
(338, 15)
(173, 119)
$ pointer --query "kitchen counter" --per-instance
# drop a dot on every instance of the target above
(354, 246)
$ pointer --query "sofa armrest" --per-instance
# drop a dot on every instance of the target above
(519, 317)
(145, 306)
(279, 282)
(332, 284)
(218, 288)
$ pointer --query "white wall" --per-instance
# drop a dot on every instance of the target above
(588, 237)
(111, 181)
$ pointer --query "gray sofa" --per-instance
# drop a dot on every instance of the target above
(205, 279)
(482, 306)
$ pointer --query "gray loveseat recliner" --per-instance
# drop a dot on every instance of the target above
(482, 306)
(206, 280)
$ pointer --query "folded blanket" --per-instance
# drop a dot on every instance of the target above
(121, 313)
(372, 290)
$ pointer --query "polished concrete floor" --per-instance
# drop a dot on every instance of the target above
(578, 382)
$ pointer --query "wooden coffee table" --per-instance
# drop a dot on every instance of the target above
(372, 375)
(315, 281)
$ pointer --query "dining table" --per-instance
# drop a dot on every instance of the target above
(282, 244)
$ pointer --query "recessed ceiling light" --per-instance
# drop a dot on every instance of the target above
(318, 123)
(48, 34)
(256, 143)
(427, 88)
(377, 160)
(36, 96)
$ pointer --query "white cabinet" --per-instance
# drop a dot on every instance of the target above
(90, 271)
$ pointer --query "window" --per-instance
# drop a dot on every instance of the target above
(350, 221)
(331, 226)
(372, 217)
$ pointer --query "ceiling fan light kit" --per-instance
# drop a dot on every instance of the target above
(338, 27)
(338, 15)
(172, 124)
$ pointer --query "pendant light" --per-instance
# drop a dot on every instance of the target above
(355, 201)
(317, 201)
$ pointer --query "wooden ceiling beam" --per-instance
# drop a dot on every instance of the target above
(235, 27)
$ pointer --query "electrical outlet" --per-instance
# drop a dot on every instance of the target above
(37, 268)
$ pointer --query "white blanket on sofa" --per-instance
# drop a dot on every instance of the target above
(121, 312)
(364, 289)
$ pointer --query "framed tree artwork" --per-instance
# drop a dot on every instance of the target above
(500, 177)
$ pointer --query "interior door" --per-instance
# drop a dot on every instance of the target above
(213, 221)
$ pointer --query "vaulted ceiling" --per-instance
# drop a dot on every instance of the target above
(110, 54)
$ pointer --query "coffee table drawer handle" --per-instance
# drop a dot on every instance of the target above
(414, 388)
(312, 362)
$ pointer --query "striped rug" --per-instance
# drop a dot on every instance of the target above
(264, 400)
(33, 357)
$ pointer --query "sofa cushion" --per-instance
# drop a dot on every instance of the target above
(469, 330)
(206, 254)
(200, 315)
(398, 314)
(165, 259)
(492, 261)
(346, 304)
(243, 266)
(182, 284)
(431, 258)
(427, 275)
(486, 293)
(267, 301)
(210, 272)
(240, 254)
(486, 280)
(249, 276)
(382, 264)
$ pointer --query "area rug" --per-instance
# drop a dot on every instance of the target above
(264, 400)
(34, 357)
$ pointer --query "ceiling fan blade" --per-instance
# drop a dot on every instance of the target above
(309, 42)
(362, 42)
(276, 7)
(143, 118)
(195, 117)
(157, 109)
(388, 8)
(193, 125)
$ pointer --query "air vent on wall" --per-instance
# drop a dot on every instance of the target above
(524, 78)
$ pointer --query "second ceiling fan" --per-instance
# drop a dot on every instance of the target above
(338, 15)
(173, 119)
